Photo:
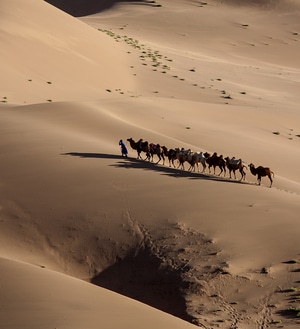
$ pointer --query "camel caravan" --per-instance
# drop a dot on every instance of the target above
(197, 160)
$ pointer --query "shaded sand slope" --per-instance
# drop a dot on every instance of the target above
(49, 299)
(51, 56)
(88, 7)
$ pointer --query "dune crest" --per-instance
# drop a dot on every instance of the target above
(68, 55)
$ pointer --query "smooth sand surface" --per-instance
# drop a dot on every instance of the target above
(187, 248)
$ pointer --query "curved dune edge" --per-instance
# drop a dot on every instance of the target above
(211, 250)
(48, 298)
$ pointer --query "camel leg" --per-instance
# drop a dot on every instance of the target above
(270, 177)
(181, 164)
(159, 158)
(242, 174)
(221, 170)
(194, 167)
(197, 167)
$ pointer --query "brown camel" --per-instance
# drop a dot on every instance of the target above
(234, 164)
(261, 172)
(140, 146)
(183, 155)
(172, 156)
(165, 151)
(158, 150)
(216, 160)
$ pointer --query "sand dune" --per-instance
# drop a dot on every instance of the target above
(43, 298)
(54, 53)
(213, 251)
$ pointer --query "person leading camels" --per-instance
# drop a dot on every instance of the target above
(124, 151)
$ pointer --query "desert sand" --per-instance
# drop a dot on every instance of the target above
(92, 239)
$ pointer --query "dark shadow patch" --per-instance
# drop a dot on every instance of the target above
(79, 8)
(143, 278)
(291, 261)
(94, 155)
(159, 272)
(291, 312)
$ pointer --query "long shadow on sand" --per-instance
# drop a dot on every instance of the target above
(93, 155)
(133, 163)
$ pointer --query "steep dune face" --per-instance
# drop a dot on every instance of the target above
(81, 7)
(51, 56)
(88, 7)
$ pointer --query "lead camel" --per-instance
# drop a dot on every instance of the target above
(261, 172)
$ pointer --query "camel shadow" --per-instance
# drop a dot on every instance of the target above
(137, 164)
(93, 155)
(172, 172)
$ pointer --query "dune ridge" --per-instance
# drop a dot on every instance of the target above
(66, 56)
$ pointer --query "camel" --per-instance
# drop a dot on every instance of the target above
(158, 150)
(172, 156)
(196, 158)
(234, 164)
(182, 156)
(216, 160)
(165, 151)
(261, 172)
(140, 146)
